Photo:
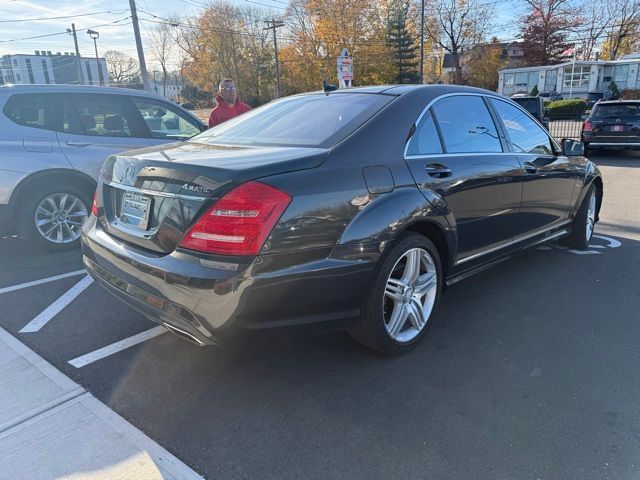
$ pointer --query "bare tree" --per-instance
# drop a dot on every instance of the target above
(162, 46)
(457, 26)
(121, 67)
(595, 20)
(625, 26)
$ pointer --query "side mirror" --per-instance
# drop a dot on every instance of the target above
(572, 148)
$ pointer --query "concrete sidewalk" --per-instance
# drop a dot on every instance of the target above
(51, 428)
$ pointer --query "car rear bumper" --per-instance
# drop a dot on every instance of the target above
(210, 300)
(617, 144)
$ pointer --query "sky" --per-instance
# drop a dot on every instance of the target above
(108, 17)
(20, 19)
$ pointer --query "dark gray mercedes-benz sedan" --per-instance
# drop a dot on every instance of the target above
(349, 210)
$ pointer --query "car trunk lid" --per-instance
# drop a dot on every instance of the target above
(151, 197)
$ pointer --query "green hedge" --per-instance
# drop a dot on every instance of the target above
(567, 106)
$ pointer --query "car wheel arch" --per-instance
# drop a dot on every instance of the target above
(61, 175)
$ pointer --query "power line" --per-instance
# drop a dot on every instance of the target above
(65, 32)
(63, 17)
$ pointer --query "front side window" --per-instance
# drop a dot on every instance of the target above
(29, 110)
(306, 121)
(466, 125)
(165, 121)
(525, 134)
(102, 115)
(425, 140)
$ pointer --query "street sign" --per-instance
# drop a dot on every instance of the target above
(345, 68)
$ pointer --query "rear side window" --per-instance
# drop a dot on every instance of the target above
(616, 111)
(101, 115)
(525, 135)
(425, 140)
(466, 125)
(31, 110)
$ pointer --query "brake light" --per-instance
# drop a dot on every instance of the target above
(94, 205)
(240, 222)
(587, 127)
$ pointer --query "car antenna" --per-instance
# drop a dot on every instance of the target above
(327, 87)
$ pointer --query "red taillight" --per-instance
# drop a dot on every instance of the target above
(587, 127)
(240, 222)
(94, 205)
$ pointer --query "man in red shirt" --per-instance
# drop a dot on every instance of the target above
(229, 105)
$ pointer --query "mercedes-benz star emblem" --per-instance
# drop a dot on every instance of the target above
(130, 172)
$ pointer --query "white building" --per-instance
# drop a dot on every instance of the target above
(46, 68)
(172, 88)
(571, 79)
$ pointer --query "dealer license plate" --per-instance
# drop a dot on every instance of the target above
(135, 210)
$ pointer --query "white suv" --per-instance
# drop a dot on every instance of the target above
(53, 140)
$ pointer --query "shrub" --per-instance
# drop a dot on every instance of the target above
(534, 91)
(629, 94)
(567, 106)
(613, 88)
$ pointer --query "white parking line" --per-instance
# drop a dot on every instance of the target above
(55, 308)
(41, 281)
(103, 352)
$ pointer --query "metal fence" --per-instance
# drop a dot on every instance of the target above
(565, 126)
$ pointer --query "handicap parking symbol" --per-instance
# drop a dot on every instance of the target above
(595, 248)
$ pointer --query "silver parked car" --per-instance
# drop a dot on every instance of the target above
(53, 140)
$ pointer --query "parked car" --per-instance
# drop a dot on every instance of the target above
(612, 125)
(593, 98)
(551, 96)
(535, 106)
(53, 140)
(320, 212)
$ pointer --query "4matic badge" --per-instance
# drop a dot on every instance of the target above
(194, 188)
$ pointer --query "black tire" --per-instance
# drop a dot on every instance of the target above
(26, 211)
(578, 237)
(370, 330)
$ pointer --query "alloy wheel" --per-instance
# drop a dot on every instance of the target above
(410, 295)
(59, 217)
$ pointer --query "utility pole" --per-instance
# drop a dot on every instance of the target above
(273, 25)
(72, 31)
(136, 33)
(421, 42)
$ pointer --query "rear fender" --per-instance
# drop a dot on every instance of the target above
(384, 219)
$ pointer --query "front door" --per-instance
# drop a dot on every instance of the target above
(549, 176)
(456, 154)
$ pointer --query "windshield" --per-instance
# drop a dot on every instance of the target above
(617, 110)
(305, 121)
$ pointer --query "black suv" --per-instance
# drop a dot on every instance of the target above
(613, 125)
(535, 106)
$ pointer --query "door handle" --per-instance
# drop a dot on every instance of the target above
(529, 167)
(437, 170)
(78, 144)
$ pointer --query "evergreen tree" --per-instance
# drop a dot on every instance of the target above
(402, 43)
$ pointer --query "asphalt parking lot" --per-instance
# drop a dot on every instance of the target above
(530, 371)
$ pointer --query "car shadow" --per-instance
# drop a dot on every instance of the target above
(619, 158)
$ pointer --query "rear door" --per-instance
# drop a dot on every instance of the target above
(616, 123)
(95, 126)
(457, 153)
(549, 176)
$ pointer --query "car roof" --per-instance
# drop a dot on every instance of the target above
(618, 102)
(11, 89)
(405, 89)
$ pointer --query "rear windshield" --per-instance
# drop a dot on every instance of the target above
(617, 110)
(305, 121)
